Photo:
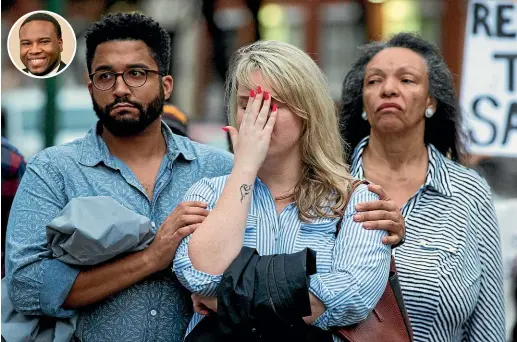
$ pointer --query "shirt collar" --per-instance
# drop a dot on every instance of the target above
(437, 173)
(53, 72)
(357, 169)
(94, 150)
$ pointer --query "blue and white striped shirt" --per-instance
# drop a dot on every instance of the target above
(450, 266)
(352, 269)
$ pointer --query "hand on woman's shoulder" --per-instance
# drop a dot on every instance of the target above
(361, 194)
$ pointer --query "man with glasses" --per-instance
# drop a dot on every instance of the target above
(133, 157)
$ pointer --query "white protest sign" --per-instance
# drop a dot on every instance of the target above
(489, 77)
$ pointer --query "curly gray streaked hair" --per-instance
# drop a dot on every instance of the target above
(443, 130)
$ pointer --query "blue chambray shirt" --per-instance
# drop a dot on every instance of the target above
(155, 309)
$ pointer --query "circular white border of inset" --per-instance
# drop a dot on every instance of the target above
(54, 15)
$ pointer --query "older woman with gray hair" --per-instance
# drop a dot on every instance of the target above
(401, 116)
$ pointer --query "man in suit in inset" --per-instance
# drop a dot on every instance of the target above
(41, 45)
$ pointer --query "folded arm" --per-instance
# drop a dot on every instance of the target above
(219, 239)
(40, 285)
(359, 272)
(37, 284)
(192, 278)
(99, 282)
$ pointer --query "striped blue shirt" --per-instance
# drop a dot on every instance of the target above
(352, 269)
(450, 266)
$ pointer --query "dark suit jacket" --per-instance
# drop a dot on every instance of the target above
(62, 65)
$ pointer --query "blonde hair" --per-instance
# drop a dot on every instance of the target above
(299, 83)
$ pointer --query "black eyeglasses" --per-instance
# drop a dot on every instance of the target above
(134, 78)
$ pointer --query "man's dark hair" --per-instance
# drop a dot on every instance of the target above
(443, 129)
(44, 17)
(130, 26)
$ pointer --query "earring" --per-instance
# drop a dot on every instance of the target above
(364, 116)
(429, 112)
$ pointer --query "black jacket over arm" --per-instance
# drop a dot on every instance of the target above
(263, 298)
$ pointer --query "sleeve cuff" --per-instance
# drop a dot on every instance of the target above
(340, 308)
(322, 322)
(318, 288)
(56, 285)
(194, 280)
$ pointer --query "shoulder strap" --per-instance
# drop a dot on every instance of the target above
(355, 184)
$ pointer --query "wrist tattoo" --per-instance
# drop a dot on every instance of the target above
(245, 190)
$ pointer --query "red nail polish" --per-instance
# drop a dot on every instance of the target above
(225, 129)
(252, 93)
(266, 96)
(274, 107)
(259, 90)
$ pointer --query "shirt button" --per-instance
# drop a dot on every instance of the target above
(153, 224)
(153, 312)
(253, 330)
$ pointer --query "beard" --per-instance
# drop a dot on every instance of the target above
(126, 127)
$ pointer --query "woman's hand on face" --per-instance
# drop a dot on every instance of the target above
(382, 215)
(251, 141)
(204, 305)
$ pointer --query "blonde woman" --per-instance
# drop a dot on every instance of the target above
(287, 190)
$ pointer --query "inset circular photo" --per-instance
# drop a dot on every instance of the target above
(41, 44)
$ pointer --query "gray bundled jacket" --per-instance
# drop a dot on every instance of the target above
(88, 231)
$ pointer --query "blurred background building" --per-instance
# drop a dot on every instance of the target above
(38, 113)
(204, 34)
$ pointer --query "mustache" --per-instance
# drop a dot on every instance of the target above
(118, 100)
